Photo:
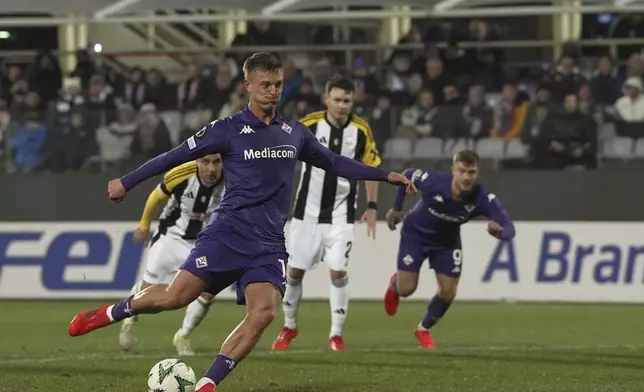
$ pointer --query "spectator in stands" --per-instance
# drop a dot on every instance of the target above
(510, 113)
(156, 89)
(223, 87)
(99, 102)
(397, 79)
(586, 101)
(568, 138)
(537, 114)
(7, 81)
(31, 108)
(362, 73)
(635, 66)
(19, 91)
(382, 120)
(417, 55)
(115, 140)
(605, 82)
(449, 122)
(192, 92)
(292, 81)
(196, 120)
(133, 93)
(152, 137)
(477, 114)
(362, 105)
(629, 109)
(28, 143)
(46, 77)
(435, 79)
(6, 133)
(85, 68)
(236, 101)
(69, 98)
(565, 79)
(76, 133)
(484, 63)
(417, 120)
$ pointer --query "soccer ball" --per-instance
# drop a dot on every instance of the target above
(171, 375)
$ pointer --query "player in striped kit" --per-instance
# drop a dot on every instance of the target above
(325, 211)
(191, 192)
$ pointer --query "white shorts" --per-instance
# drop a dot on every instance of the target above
(164, 258)
(312, 242)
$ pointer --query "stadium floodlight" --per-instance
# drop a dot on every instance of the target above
(114, 8)
(447, 5)
(279, 5)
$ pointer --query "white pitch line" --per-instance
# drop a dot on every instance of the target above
(375, 350)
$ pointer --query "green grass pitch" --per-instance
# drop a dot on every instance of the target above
(481, 347)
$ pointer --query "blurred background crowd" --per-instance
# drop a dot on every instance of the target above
(421, 102)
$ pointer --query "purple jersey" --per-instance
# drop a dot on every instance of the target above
(258, 162)
(436, 219)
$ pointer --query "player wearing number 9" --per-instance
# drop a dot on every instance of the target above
(432, 230)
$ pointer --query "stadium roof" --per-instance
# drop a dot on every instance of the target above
(277, 9)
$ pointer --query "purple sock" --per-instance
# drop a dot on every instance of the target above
(122, 310)
(220, 368)
(436, 309)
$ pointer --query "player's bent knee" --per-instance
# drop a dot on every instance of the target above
(406, 287)
(448, 294)
(261, 317)
(291, 281)
(338, 275)
(340, 282)
(295, 273)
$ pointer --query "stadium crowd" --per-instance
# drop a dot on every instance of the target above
(417, 104)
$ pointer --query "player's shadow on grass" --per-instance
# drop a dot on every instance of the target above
(634, 356)
(541, 357)
(65, 370)
(310, 361)
(318, 387)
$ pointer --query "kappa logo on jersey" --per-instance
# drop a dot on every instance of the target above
(287, 128)
(201, 262)
(246, 130)
(285, 151)
(439, 198)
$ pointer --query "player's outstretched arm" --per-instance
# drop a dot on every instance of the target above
(418, 178)
(317, 155)
(501, 225)
(213, 138)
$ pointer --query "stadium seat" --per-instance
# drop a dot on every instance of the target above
(618, 148)
(639, 148)
(397, 148)
(490, 148)
(430, 147)
(516, 150)
(453, 146)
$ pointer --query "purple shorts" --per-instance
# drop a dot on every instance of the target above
(219, 265)
(445, 260)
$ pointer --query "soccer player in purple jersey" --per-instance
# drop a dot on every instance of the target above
(431, 230)
(244, 241)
